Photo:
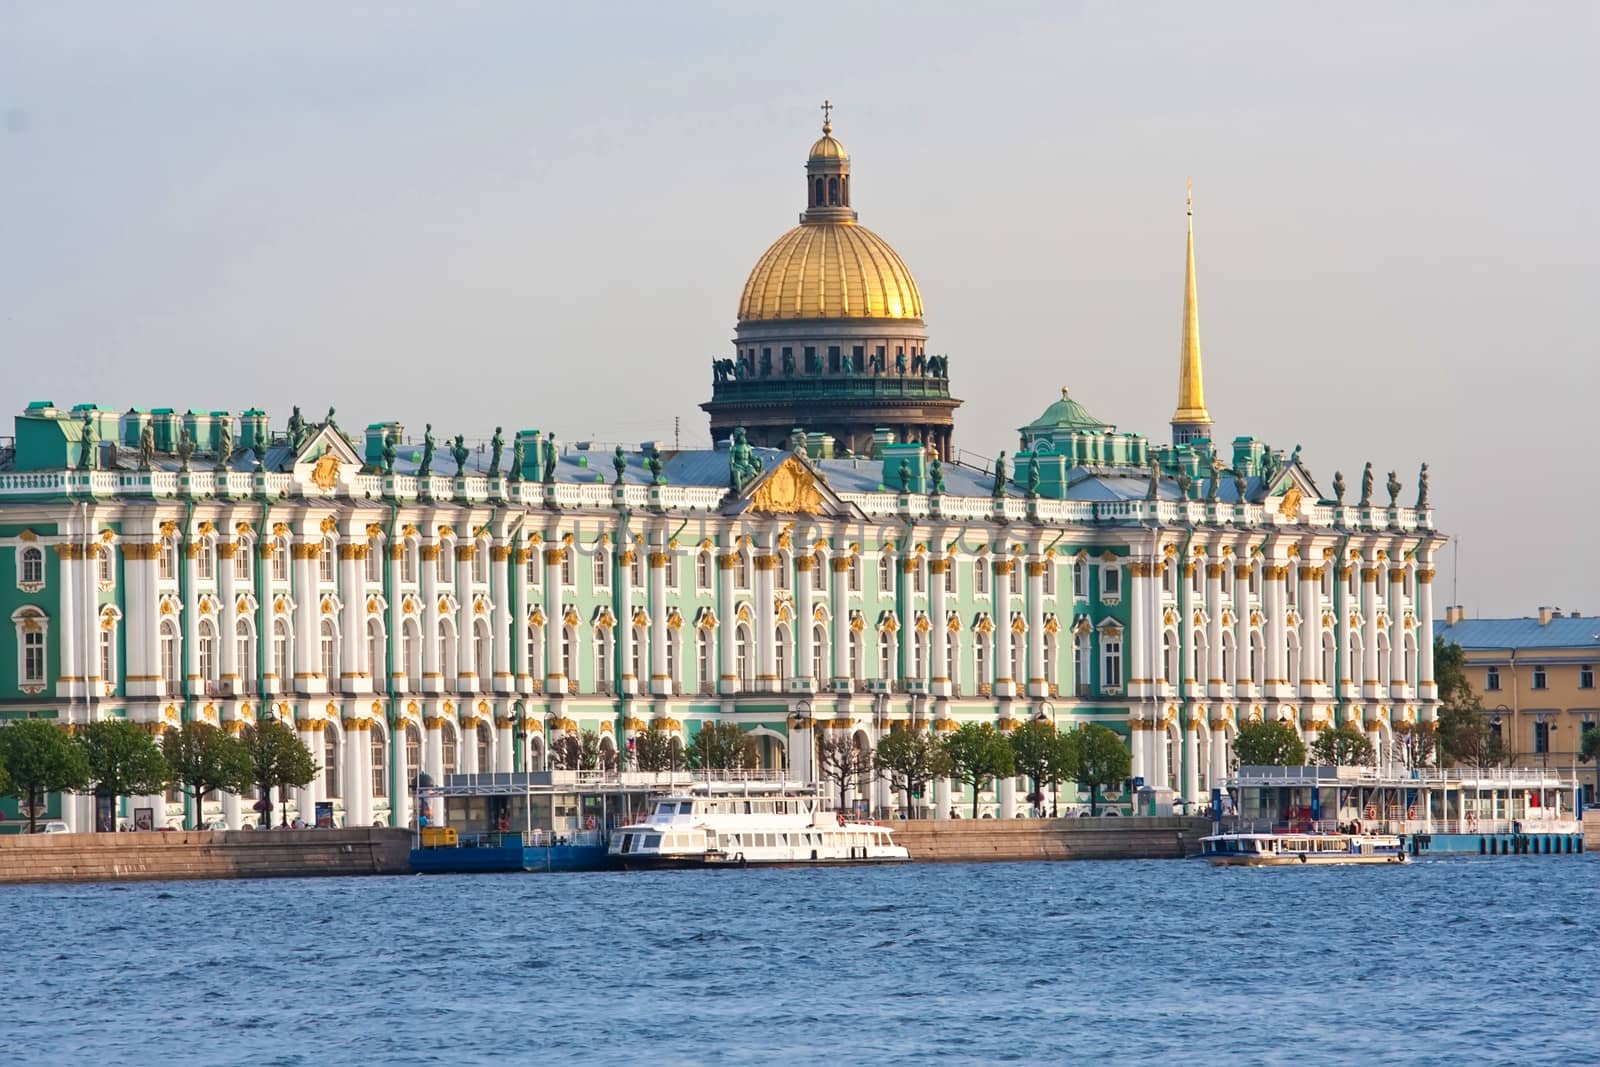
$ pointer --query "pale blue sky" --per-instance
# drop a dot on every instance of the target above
(505, 213)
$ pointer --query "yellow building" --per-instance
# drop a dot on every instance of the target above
(1536, 677)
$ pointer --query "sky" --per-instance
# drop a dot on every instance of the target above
(541, 216)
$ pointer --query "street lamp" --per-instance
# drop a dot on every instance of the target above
(1046, 714)
(1500, 711)
(802, 711)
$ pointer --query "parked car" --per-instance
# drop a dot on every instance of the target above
(54, 826)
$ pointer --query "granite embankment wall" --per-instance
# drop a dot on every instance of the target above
(1105, 838)
(202, 854)
(1591, 830)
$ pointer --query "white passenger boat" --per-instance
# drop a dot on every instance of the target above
(738, 825)
(1294, 849)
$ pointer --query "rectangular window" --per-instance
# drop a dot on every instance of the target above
(1049, 578)
(855, 574)
(568, 576)
(167, 566)
(1110, 581)
(108, 647)
(1540, 679)
(950, 576)
(702, 572)
(1080, 581)
(1541, 738)
(1111, 668)
(107, 570)
(1491, 680)
(1586, 677)
(885, 575)
(602, 570)
(33, 657)
(374, 563)
(833, 359)
(980, 577)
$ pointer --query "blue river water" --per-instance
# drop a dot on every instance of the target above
(1480, 961)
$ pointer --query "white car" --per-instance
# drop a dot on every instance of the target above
(54, 826)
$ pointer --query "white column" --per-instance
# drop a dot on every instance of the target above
(467, 680)
(432, 680)
(307, 594)
(358, 756)
(1006, 795)
(1397, 632)
(1241, 631)
(227, 621)
(1427, 687)
(1219, 752)
(1001, 652)
(305, 797)
(939, 646)
(397, 682)
(554, 682)
(1191, 760)
(69, 631)
(507, 635)
(400, 780)
(766, 628)
(1369, 632)
(504, 742)
(660, 669)
(354, 671)
(1138, 678)
(1214, 683)
(805, 606)
(627, 684)
(190, 623)
(1038, 682)
(840, 565)
(1277, 639)
(728, 667)
(519, 624)
(1310, 630)
(1139, 748)
(467, 747)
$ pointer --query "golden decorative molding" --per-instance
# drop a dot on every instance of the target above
(790, 489)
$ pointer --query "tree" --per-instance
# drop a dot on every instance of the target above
(843, 763)
(1103, 761)
(1342, 746)
(204, 758)
(40, 757)
(722, 746)
(1045, 755)
(590, 754)
(1269, 744)
(1589, 751)
(910, 759)
(657, 750)
(1462, 732)
(976, 754)
(124, 760)
(277, 757)
(566, 753)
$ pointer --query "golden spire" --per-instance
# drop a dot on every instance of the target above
(1191, 420)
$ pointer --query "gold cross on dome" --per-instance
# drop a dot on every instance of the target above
(827, 115)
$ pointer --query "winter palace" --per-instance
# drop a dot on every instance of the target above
(830, 565)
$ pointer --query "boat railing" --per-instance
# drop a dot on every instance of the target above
(535, 838)
(1528, 825)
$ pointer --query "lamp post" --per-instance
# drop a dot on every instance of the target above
(1046, 713)
(1496, 720)
(802, 711)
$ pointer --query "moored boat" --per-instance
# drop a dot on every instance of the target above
(740, 825)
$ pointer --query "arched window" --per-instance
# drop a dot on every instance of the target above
(411, 653)
(413, 750)
(569, 576)
(855, 575)
(819, 653)
(1019, 657)
(1080, 663)
(1357, 665)
(282, 656)
(919, 655)
(636, 570)
(702, 571)
(702, 660)
(1329, 659)
(675, 658)
(408, 562)
(1228, 660)
(1169, 657)
(482, 653)
(206, 647)
(328, 642)
(485, 741)
(373, 563)
(330, 761)
(1050, 675)
(743, 656)
(604, 653)
(242, 555)
(818, 195)
(1409, 650)
(170, 645)
(952, 666)
(602, 568)
(641, 650)
(480, 563)
(377, 655)
(855, 656)
(886, 648)
(535, 640)
(448, 747)
(280, 559)
(33, 565)
(326, 556)
(980, 576)
(443, 572)
(1199, 652)
(1293, 641)
(833, 192)
(1255, 657)
(980, 658)
(205, 560)
(380, 763)
(569, 653)
(784, 649)
(886, 574)
(741, 574)
(1384, 667)
(167, 562)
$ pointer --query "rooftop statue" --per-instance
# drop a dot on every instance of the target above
(459, 452)
(1422, 487)
(905, 476)
(551, 454)
(788, 364)
(1294, 457)
(849, 363)
(519, 456)
(1240, 484)
(936, 473)
(1033, 477)
(497, 447)
(743, 463)
(1269, 470)
(425, 468)
(1394, 487)
(297, 428)
(1000, 477)
(1366, 486)
(900, 363)
(258, 449)
(1214, 490)
(653, 464)
(619, 463)
(185, 449)
(1184, 482)
(1154, 490)
(147, 445)
(389, 451)
(224, 444)
(1338, 488)
(91, 443)
(330, 421)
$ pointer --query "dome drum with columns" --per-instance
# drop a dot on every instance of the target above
(830, 335)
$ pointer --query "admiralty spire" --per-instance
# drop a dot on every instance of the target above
(1191, 421)
(830, 337)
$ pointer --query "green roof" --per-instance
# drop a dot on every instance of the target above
(1066, 416)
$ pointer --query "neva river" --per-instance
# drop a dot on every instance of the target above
(1445, 961)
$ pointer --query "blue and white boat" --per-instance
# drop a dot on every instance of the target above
(1300, 849)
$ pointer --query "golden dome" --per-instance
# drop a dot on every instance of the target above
(828, 147)
(830, 270)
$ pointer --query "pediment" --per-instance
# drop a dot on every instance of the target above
(326, 459)
(793, 487)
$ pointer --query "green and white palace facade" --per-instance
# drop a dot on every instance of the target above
(450, 608)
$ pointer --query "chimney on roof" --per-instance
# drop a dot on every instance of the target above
(1453, 614)
(1546, 614)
